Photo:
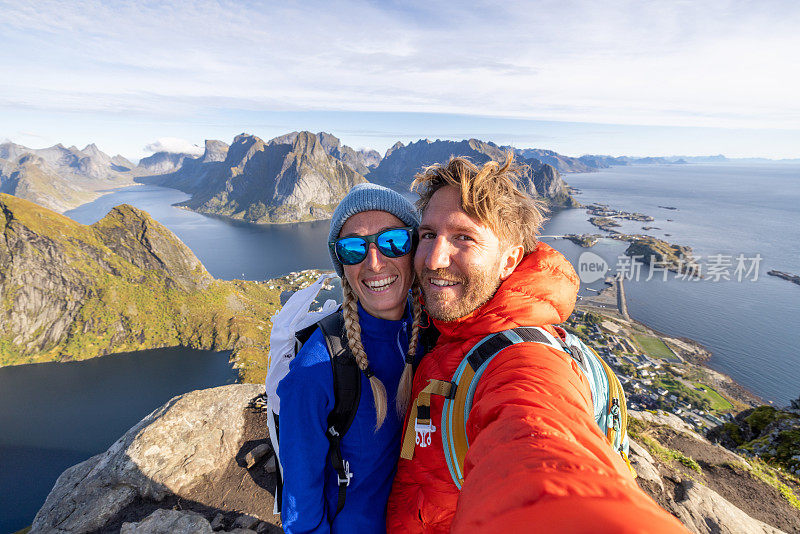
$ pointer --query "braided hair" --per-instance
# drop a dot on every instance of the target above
(406, 379)
(353, 330)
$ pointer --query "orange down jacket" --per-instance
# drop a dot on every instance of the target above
(537, 461)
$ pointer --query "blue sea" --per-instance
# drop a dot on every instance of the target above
(752, 327)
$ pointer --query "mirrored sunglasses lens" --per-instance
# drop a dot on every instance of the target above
(351, 250)
(394, 243)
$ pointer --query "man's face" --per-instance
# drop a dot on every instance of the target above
(459, 262)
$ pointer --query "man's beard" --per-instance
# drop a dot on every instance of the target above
(477, 287)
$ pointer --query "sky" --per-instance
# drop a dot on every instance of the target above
(579, 77)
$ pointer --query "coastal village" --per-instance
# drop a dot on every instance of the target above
(657, 372)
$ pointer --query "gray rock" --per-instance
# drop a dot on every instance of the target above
(218, 522)
(663, 418)
(704, 511)
(169, 522)
(255, 456)
(270, 466)
(643, 464)
(172, 450)
(246, 521)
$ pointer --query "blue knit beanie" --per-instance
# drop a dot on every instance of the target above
(368, 197)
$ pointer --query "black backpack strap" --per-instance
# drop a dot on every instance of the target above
(428, 337)
(346, 392)
(494, 343)
(278, 474)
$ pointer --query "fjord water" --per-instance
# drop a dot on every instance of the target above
(55, 415)
(228, 249)
(751, 327)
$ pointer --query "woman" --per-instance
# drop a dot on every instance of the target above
(371, 237)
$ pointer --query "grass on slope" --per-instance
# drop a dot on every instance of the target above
(759, 469)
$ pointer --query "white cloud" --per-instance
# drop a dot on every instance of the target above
(175, 145)
(719, 63)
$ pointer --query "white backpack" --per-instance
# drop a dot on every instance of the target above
(293, 317)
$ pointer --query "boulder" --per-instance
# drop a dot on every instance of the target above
(664, 418)
(185, 449)
(704, 511)
(169, 522)
(643, 464)
(176, 522)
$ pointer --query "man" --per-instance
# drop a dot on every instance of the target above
(537, 462)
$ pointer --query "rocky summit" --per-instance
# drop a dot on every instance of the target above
(203, 462)
(180, 469)
(70, 291)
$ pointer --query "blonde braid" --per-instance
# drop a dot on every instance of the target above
(353, 329)
(407, 378)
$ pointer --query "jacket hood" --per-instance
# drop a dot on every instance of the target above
(542, 290)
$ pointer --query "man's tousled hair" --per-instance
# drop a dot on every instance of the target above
(494, 195)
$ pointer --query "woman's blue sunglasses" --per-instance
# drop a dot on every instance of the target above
(392, 243)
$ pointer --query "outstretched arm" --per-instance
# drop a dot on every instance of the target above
(537, 459)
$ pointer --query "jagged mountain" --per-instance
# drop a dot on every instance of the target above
(548, 184)
(560, 162)
(289, 178)
(70, 291)
(161, 163)
(29, 176)
(402, 162)
(360, 161)
(60, 178)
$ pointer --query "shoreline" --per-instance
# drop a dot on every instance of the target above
(606, 303)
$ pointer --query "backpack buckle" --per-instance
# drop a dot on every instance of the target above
(345, 481)
(423, 431)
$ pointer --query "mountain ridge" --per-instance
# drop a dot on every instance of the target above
(70, 291)
(402, 162)
(58, 177)
(286, 179)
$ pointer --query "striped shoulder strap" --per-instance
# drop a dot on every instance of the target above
(465, 379)
(458, 395)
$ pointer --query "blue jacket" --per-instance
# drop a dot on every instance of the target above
(310, 490)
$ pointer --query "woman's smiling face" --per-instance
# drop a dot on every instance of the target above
(380, 283)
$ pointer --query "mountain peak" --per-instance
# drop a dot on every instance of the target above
(134, 235)
(398, 145)
(215, 150)
(329, 141)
